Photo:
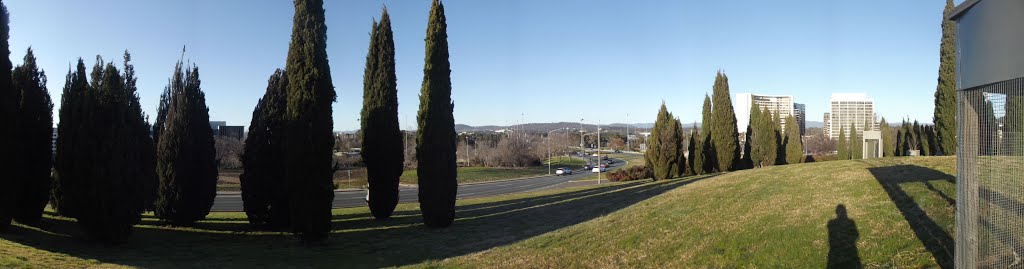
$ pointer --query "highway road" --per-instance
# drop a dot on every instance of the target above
(232, 201)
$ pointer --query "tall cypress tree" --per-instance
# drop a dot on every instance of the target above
(755, 114)
(945, 91)
(856, 143)
(8, 136)
(186, 159)
(794, 145)
(696, 161)
(709, 153)
(35, 129)
(922, 135)
(679, 149)
(263, 178)
(767, 140)
(780, 146)
(659, 155)
(755, 132)
(724, 135)
(435, 140)
(310, 138)
(72, 160)
(888, 139)
(842, 147)
(382, 150)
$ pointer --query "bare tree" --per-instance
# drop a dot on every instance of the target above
(229, 152)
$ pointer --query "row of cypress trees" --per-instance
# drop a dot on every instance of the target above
(713, 147)
(25, 153)
(769, 142)
(916, 136)
(665, 149)
(288, 178)
(105, 170)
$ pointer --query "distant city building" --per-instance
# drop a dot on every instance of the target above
(850, 109)
(800, 111)
(237, 132)
(779, 105)
(53, 141)
(215, 125)
(826, 121)
(221, 128)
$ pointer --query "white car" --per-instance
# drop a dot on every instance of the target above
(599, 169)
(563, 171)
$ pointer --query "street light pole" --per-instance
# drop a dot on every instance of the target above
(581, 136)
(627, 132)
(599, 162)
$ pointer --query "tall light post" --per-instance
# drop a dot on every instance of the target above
(599, 163)
(627, 132)
(581, 136)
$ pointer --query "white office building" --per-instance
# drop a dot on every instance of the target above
(781, 105)
(850, 109)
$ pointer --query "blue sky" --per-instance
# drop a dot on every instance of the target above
(541, 60)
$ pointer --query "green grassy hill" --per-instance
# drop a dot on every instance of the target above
(899, 214)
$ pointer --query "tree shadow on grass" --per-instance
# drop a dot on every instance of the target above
(936, 240)
(355, 242)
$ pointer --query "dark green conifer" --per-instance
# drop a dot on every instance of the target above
(945, 91)
(382, 150)
(842, 146)
(435, 139)
(35, 118)
(105, 154)
(9, 97)
(186, 158)
(794, 145)
(695, 163)
(708, 147)
(263, 178)
(724, 135)
(310, 136)
(856, 143)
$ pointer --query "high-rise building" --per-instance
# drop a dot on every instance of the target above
(779, 105)
(826, 122)
(850, 109)
(215, 125)
(800, 111)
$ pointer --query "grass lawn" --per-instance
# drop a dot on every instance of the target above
(898, 214)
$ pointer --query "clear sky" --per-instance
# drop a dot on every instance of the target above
(541, 60)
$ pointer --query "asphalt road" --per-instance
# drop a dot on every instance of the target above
(232, 201)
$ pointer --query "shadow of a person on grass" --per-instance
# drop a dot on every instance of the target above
(842, 241)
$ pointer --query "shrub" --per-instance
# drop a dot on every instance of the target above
(631, 173)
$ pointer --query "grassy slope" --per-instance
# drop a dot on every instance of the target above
(775, 217)
(772, 217)
(358, 241)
